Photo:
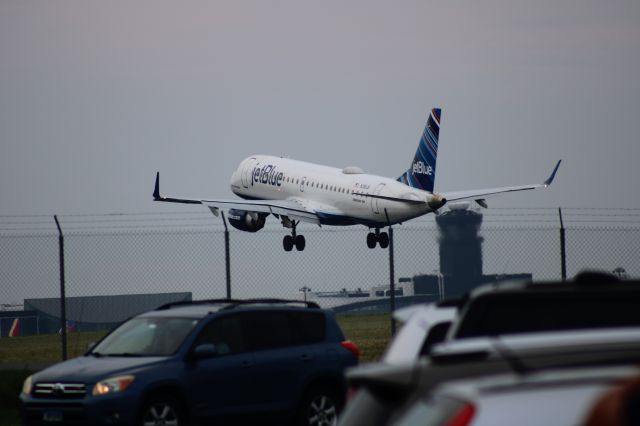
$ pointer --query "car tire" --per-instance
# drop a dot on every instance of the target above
(163, 410)
(319, 407)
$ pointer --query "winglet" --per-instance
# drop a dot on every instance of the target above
(157, 197)
(553, 174)
(156, 191)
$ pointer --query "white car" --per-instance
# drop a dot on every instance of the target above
(386, 390)
(423, 326)
(551, 397)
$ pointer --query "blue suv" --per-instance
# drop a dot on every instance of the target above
(266, 360)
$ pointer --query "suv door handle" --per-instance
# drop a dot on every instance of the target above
(306, 357)
(246, 363)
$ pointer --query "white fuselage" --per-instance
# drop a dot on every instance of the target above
(332, 192)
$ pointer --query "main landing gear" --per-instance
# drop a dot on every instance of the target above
(378, 237)
(290, 240)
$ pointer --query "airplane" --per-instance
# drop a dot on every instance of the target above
(296, 191)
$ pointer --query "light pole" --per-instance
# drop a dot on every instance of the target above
(440, 284)
(304, 291)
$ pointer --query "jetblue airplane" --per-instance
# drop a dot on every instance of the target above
(296, 191)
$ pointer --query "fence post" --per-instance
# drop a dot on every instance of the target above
(227, 255)
(563, 253)
(392, 277)
(63, 299)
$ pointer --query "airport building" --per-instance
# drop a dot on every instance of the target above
(85, 313)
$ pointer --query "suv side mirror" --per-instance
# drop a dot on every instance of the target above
(205, 350)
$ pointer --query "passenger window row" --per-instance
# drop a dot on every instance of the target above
(323, 186)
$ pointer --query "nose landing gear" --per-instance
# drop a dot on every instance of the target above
(378, 237)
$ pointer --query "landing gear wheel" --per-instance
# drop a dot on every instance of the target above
(163, 411)
(300, 243)
(287, 243)
(383, 239)
(372, 240)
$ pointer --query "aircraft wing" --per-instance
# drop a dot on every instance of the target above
(293, 208)
(480, 194)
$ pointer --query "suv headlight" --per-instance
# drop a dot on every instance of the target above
(26, 386)
(112, 385)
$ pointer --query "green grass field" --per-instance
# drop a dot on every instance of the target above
(45, 348)
(370, 332)
(10, 386)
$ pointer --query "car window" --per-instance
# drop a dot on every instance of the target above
(225, 333)
(146, 337)
(526, 313)
(436, 334)
(267, 330)
(309, 327)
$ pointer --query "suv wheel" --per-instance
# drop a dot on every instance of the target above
(319, 407)
(163, 410)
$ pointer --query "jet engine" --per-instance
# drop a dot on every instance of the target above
(247, 221)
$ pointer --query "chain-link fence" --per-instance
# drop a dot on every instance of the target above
(118, 265)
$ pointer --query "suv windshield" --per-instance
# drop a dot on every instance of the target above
(146, 337)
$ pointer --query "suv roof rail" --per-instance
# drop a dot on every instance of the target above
(591, 278)
(232, 303)
(274, 301)
(453, 303)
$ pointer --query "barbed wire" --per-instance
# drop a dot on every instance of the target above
(204, 219)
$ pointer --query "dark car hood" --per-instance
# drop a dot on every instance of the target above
(91, 369)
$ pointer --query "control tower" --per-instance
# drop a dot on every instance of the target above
(460, 248)
(460, 244)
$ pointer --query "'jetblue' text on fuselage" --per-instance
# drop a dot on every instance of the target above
(267, 175)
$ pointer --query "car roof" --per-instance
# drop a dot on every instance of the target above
(508, 382)
(590, 339)
(584, 281)
(202, 308)
(188, 311)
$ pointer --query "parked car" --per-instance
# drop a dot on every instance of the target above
(591, 300)
(559, 397)
(385, 390)
(218, 360)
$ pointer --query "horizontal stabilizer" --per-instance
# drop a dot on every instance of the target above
(481, 194)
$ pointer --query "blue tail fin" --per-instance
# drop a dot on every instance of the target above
(422, 173)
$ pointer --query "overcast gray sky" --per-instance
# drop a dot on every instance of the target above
(96, 96)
